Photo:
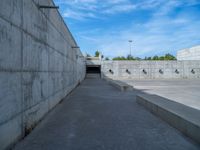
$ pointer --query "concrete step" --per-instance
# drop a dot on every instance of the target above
(182, 117)
(93, 75)
(119, 85)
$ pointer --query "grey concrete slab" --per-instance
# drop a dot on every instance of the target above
(184, 91)
(119, 85)
(182, 117)
(151, 69)
(192, 53)
(9, 46)
(38, 66)
(97, 116)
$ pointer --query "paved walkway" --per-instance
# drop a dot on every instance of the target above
(184, 91)
(96, 116)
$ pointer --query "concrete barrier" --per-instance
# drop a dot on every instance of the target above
(150, 69)
(183, 118)
(119, 85)
(192, 53)
(38, 65)
(93, 75)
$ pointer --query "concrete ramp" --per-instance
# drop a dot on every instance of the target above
(122, 86)
(93, 75)
(182, 117)
(97, 116)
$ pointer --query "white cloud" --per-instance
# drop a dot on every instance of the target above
(158, 34)
(78, 15)
(83, 9)
(120, 8)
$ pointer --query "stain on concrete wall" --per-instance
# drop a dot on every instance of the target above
(38, 67)
(151, 69)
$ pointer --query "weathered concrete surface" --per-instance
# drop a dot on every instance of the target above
(38, 67)
(192, 53)
(150, 69)
(182, 117)
(98, 116)
(184, 91)
(120, 85)
(93, 75)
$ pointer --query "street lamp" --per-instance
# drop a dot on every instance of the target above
(130, 41)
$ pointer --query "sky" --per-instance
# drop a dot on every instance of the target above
(156, 27)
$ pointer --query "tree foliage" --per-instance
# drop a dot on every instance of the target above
(170, 57)
(107, 58)
(88, 55)
(119, 58)
(97, 53)
(129, 57)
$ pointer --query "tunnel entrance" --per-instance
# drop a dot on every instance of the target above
(93, 71)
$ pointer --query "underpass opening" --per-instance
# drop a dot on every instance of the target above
(93, 71)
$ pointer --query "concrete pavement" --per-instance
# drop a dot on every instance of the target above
(96, 116)
(184, 91)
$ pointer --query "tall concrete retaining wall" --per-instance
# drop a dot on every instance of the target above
(189, 54)
(38, 66)
(150, 69)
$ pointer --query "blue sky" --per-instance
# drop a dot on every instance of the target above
(155, 26)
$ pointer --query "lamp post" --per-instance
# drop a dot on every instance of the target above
(130, 42)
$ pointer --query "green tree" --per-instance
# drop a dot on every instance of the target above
(165, 57)
(169, 57)
(138, 58)
(161, 58)
(130, 57)
(88, 55)
(149, 58)
(97, 53)
(155, 57)
(107, 58)
(119, 58)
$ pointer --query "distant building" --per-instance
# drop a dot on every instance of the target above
(189, 54)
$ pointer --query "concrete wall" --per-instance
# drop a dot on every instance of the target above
(153, 69)
(189, 54)
(93, 62)
(38, 67)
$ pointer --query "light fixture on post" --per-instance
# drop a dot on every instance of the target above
(176, 71)
(144, 71)
(47, 7)
(111, 71)
(127, 71)
(74, 47)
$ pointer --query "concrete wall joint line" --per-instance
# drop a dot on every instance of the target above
(33, 37)
(43, 69)
(21, 75)
(54, 24)
(24, 110)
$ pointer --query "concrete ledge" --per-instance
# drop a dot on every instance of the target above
(183, 118)
(119, 85)
(93, 75)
